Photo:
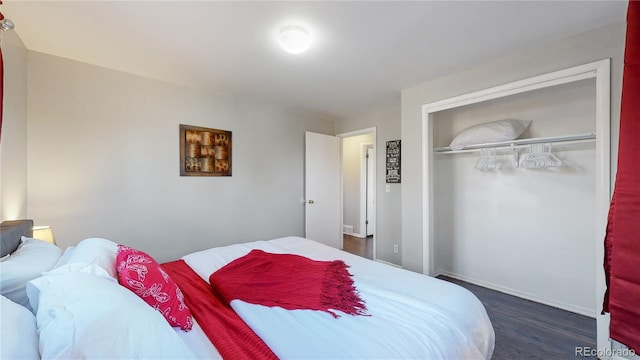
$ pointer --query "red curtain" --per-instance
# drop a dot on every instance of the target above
(1, 89)
(1, 82)
(622, 242)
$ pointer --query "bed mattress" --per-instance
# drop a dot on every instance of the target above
(411, 315)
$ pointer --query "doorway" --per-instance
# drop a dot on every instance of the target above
(358, 192)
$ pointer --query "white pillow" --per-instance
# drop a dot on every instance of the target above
(19, 338)
(502, 130)
(83, 316)
(33, 293)
(66, 254)
(31, 258)
(96, 251)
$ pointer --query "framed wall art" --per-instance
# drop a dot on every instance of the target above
(393, 161)
(204, 151)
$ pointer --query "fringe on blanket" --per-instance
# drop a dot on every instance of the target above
(339, 291)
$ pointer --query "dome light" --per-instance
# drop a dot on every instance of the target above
(294, 39)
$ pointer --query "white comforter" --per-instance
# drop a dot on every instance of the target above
(412, 315)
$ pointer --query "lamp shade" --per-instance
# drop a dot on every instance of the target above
(43, 233)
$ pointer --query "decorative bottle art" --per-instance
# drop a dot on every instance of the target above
(204, 151)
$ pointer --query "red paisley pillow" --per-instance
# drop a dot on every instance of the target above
(141, 274)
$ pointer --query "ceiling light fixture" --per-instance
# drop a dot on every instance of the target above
(294, 39)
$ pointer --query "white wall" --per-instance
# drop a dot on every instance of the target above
(104, 156)
(13, 145)
(528, 232)
(386, 119)
(598, 44)
(352, 179)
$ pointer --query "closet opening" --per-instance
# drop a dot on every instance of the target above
(525, 217)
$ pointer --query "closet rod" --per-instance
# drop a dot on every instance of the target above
(520, 143)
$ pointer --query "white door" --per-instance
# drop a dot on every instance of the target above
(322, 189)
(371, 158)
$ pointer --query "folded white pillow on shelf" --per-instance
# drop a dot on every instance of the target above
(496, 131)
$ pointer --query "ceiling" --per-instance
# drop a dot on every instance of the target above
(363, 53)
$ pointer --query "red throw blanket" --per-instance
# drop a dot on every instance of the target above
(233, 338)
(289, 281)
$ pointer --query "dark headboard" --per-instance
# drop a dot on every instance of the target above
(11, 232)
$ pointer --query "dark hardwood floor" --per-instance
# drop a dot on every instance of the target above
(529, 330)
(358, 246)
(524, 329)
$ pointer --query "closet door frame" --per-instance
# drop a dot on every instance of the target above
(600, 71)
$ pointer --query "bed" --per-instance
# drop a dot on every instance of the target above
(408, 315)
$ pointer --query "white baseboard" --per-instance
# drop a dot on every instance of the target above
(620, 351)
(388, 263)
(521, 294)
(354, 235)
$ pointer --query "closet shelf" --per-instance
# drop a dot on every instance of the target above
(519, 143)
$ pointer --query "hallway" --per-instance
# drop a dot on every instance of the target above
(358, 246)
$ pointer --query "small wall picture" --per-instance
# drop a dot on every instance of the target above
(393, 161)
(204, 151)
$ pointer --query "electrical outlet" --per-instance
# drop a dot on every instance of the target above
(387, 188)
(395, 248)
